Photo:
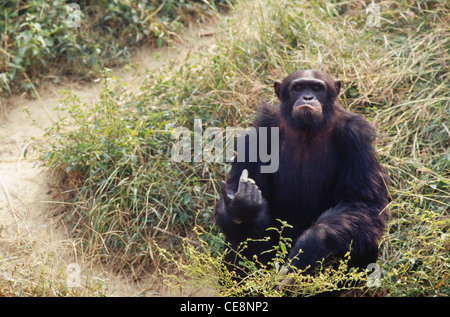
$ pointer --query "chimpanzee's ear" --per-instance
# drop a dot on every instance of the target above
(277, 86)
(337, 85)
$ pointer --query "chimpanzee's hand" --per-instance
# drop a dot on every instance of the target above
(247, 201)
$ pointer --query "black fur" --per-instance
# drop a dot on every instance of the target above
(329, 186)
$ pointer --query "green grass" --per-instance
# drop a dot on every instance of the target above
(38, 41)
(128, 194)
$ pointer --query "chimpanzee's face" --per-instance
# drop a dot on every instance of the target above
(305, 96)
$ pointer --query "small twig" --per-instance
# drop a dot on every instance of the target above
(177, 236)
(6, 53)
(205, 34)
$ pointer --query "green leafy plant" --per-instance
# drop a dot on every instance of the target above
(195, 267)
(39, 40)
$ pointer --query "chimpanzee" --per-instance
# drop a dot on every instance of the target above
(329, 185)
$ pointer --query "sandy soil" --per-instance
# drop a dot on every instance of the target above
(30, 233)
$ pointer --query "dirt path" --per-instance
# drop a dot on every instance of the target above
(31, 238)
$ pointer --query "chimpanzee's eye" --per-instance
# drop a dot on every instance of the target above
(316, 88)
(298, 87)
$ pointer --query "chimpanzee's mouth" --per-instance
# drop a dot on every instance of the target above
(304, 106)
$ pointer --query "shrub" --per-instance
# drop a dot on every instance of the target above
(40, 38)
